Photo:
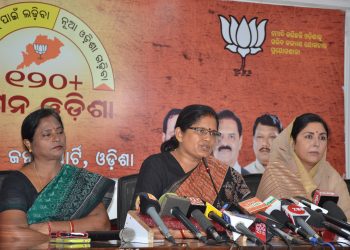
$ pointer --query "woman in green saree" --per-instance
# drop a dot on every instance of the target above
(44, 195)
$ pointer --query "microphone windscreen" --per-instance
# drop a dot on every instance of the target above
(280, 216)
(334, 210)
(146, 202)
(195, 203)
(170, 200)
(315, 219)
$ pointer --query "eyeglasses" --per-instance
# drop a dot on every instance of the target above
(204, 131)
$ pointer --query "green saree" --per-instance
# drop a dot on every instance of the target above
(72, 194)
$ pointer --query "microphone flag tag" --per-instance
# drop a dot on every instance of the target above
(253, 205)
(260, 230)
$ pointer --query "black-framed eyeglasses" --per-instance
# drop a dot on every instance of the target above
(205, 131)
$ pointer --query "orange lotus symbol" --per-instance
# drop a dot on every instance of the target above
(243, 38)
(40, 49)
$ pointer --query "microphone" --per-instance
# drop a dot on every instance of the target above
(206, 225)
(335, 211)
(303, 202)
(272, 203)
(205, 162)
(241, 223)
(178, 214)
(330, 211)
(151, 207)
(214, 214)
(337, 230)
(315, 219)
(245, 231)
(124, 235)
(274, 228)
(177, 206)
(299, 216)
(170, 200)
(283, 219)
(195, 203)
(335, 215)
(320, 197)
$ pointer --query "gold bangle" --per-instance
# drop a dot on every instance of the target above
(49, 226)
(71, 224)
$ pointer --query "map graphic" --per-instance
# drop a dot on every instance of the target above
(42, 50)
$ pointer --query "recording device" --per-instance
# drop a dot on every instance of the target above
(151, 207)
(124, 235)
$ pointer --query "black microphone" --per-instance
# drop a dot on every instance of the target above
(299, 216)
(237, 221)
(283, 219)
(315, 219)
(274, 228)
(124, 235)
(335, 229)
(245, 231)
(330, 211)
(335, 215)
(178, 214)
(206, 225)
(221, 222)
(152, 208)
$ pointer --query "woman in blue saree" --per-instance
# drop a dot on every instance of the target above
(45, 196)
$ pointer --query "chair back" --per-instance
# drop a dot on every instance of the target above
(348, 184)
(3, 175)
(126, 188)
(252, 180)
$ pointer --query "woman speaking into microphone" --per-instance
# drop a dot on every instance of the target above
(185, 165)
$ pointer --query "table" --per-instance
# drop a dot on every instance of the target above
(182, 244)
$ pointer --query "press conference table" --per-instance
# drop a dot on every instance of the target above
(182, 244)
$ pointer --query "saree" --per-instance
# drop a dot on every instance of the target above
(72, 194)
(222, 186)
(285, 176)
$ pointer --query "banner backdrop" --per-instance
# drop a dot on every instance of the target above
(113, 69)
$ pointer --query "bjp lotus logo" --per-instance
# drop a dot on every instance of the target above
(243, 38)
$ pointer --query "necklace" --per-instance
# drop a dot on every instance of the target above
(37, 176)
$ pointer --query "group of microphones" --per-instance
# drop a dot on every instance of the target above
(295, 220)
